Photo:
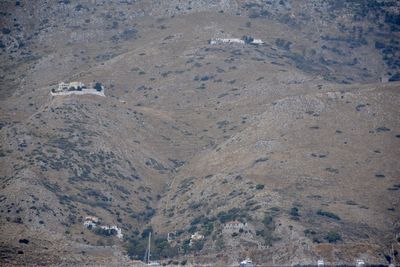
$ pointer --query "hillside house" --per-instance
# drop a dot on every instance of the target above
(360, 263)
(90, 222)
(115, 228)
(234, 226)
(225, 41)
(244, 40)
(195, 237)
(92, 218)
(78, 88)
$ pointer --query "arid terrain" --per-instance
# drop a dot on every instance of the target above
(296, 140)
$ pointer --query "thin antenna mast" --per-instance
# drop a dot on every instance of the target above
(148, 253)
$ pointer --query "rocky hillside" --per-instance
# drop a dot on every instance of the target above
(296, 138)
(301, 174)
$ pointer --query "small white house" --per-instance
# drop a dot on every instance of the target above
(113, 227)
(77, 88)
(234, 226)
(90, 221)
(257, 42)
(89, 224)
(360, 263)
(92, 218)
(320, 263)
(244, 40)
(226, 41)
(195, 237)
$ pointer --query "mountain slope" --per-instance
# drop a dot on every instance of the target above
(297, 137)
(309, 162)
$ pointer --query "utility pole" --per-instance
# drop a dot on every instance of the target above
(148, 253)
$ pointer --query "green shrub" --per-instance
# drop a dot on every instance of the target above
(224, 217)
(268, 221)
(162, 249)
(328, 214)
(274, 209)
(294, 212)
(185, 246)
(146, 232)
(136, 248)
(333, 237)
(196, 220)
(98, 86)
(219, 244)
(260, 186)
(192, 229)
(267, 236)
(194, 205)
(6, 31)
(105, 232)
(309, 232)
(208, 228)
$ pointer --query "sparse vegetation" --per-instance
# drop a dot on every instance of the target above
(231, 215)
(105, 232)
(328, 214)
(333, 237)
(193, 135)
(294, 213)
(260, 186)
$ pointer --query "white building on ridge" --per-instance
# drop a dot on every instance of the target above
(78, 88)
(244, 40)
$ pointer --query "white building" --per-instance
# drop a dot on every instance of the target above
(77, 88)
(320, 263)
(113, 227)
(226, 41)
(89, 224)
(92, 218)
(360, 263)
(234, 226)
(90, 221)
(62, 86)
(252, 41)
(195, 237)
(257, 42)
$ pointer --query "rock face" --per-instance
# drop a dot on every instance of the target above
(296, 138)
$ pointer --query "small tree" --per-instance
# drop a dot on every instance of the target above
(328, 214)
(268, 221)
(208, 228)
(333, 237)
(294, 212)
(105, 232)
(260, 186)
(185, 246)
(146, 232)
(219, 244)
(247, 39)
(198, 245)
(136, 248)
(98, 86)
